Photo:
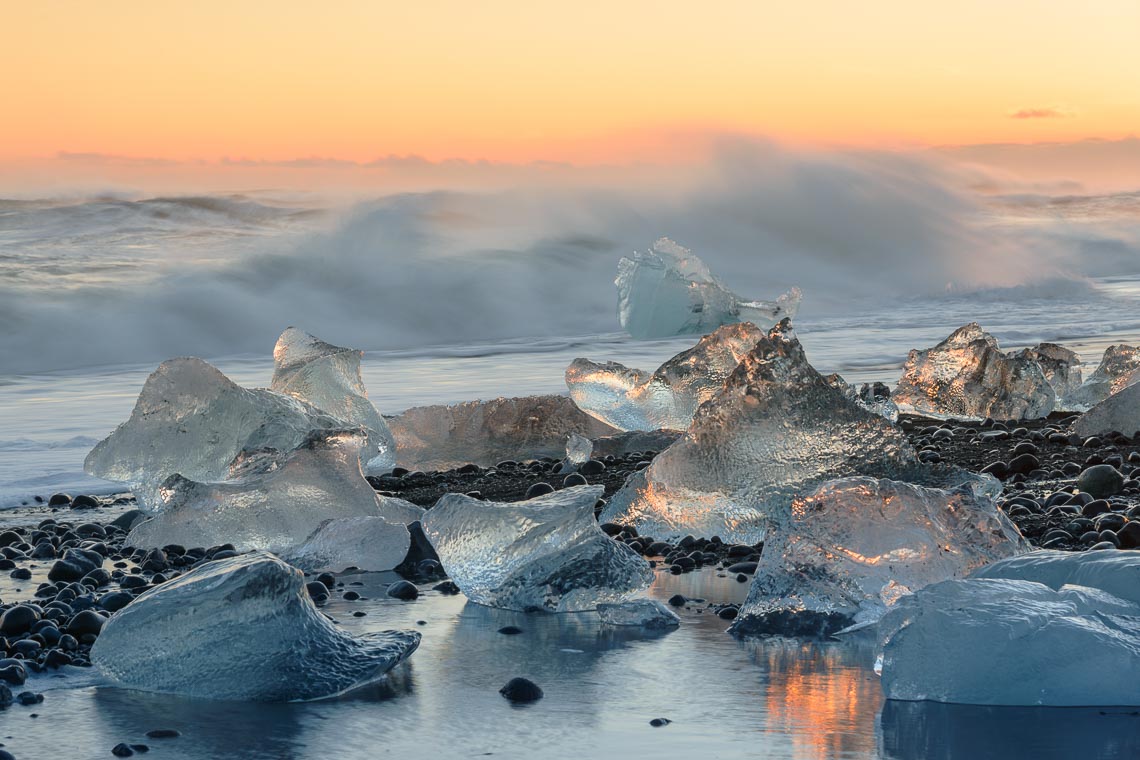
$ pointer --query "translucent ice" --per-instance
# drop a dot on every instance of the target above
(1119, 412)
(546, 553)
(1118, 369)
(240, 629)
(854, 546)
(644, 613)
(328, 377)
(370, 544)
(1116, 573)
(1012, 642)
(276, 509)
(968, 376)
(875, 398)
(631, 399)
(578, 448)
(1061, 367)
(630, 441)
(486, 432)
(669, 291)
(777, 429)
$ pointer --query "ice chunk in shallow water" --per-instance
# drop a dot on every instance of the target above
(631, 399)
(1119, 368)
(328, 377)
(1120, 412)
(546, 553)
(370, 544)
(276, 509)
(240, 629)
(854, 546)
(669, 291)
(968, 376)
(991, 641)
(645, 613)
(487, 432)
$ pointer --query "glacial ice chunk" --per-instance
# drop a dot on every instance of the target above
(276, 509)
(968, 376)
(669, 291)
(644, 613)
(875, 398)
(487, 432)
(240, 629)
(370, 544)
(193, 420)
(1120, 412)
(1061, 367)
(328, 377)
(1114, 572)
(546, 553)
(578, 449)
(631, 399)
(854, 546)
(620, 444)
(1119, 368)
(1012, 642)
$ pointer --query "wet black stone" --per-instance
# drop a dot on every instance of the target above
(403, 590)
(574, 479)
(59, 500)
(677, 600)
(447, 587)
(1100, 481)
(319, 592)
(84, 501)
(510, 630)
(115, 601)
(84, 623)
(539, 489)
(659, 722)
(521, 690)
(122, 750)
(29, 698)
(21, 574)
(351, 596)
(18, 619)
(591, 467)
(743, 567)
(163, 733)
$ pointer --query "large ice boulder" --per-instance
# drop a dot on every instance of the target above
(240, 629)
(669, 291)
(368, 544)
(328, 377)
(968, 376)
(276, 509)
(632, 399)
(1114, 572)
(1120, 412)
(853, 547)
(486, 432)
(546, 553)
(1119, 368)
(990, 641)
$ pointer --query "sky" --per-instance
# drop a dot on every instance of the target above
(224, 84)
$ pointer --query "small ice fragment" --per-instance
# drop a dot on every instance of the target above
(578, 449)
(1119, 368)
(240, 629)
(370, 544)
(646, 613)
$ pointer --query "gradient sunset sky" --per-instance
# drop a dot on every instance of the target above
(582, 82)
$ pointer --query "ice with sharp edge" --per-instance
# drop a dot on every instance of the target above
(641, 613)
(368, 544)
(1119, 368)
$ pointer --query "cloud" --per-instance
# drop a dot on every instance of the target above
(1052, 112)
(114, 159)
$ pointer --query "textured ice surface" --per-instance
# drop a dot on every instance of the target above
(1061, 367)
(1012, 642)
(487, 432)
(1119, 412)
(1114, 572)
(328, 377)
(276, 509)
(630, 441)
(645, 613)
(578, 448)
(854, 546)
(192, 420)
(370, 544)
(546, 553)
(777, 429)
(669, 291)
(240, 629)
(631, 399)
(875, 398)
(1119, 368)
(968, 376)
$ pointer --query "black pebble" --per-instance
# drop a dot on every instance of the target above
(539, 489)
(403, 590)
(122, 750)
(659, 722)
(163, 733)
(510, 630)
(521, 690)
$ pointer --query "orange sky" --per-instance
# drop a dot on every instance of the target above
(582, 82)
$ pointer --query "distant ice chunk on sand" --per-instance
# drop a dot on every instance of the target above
(968, 376)
(546, 553)
(855, 546)
(1061, 367)
(1119, 368)
(240, 629)
(669, 291)
(632, 399)
(643, 613)
(369, 544)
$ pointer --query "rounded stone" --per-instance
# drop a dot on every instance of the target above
(1100, 481)
(403, 590)
(521, 690)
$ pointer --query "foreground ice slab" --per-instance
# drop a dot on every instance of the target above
(854, 546)
(328, 377)
(240, 629)
(1012, 642)
(1119, 368)
(631, 399)
(968, 376)
(643, 613)
(1120, 412)
(546, 553)
(276, 509)
(669, 291)
(1114, 572)
(777, 429)
(487, 432)
(369, 544)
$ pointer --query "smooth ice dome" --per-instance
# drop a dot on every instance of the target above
(854, 546)
(644, 613)
(546, 553)
(276, 509)
(487, 432)
(989, 641)
(631, 399)
(1120, 412)
(328, 377)
(240, 629)
(777, 429)
(669, 291)
(1119, 368)
(369, 544)
(192, 420)
(1114, 572)
(968, 376)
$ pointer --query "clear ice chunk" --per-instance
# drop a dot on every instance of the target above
(578, 449)
(875, 398)
(487, 432)
(276, 509)
(1119, 368)
(369, 544)
(240, 629)
(1061, 367)
(644, 613)
(631, 441)
(1120, 412)
(328, 377)
(1012, 642)
(855, 546)
(669, 291)
(632, 399)
(546, 553)
(968, 376)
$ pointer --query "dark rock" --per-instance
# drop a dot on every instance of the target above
(510, 630)
(574, 479)
(539, 489)
(59, 500)
(592, 467)
(18, 619)
(122, 750)
(163, 733)
(659, 722)
(521, 690)
(86, 622)
(83, 501)
(403, 590)
(677, 600)
(1100, 481)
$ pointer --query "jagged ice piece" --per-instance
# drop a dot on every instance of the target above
(370, 544)
(645, 613)
(1119, 368)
